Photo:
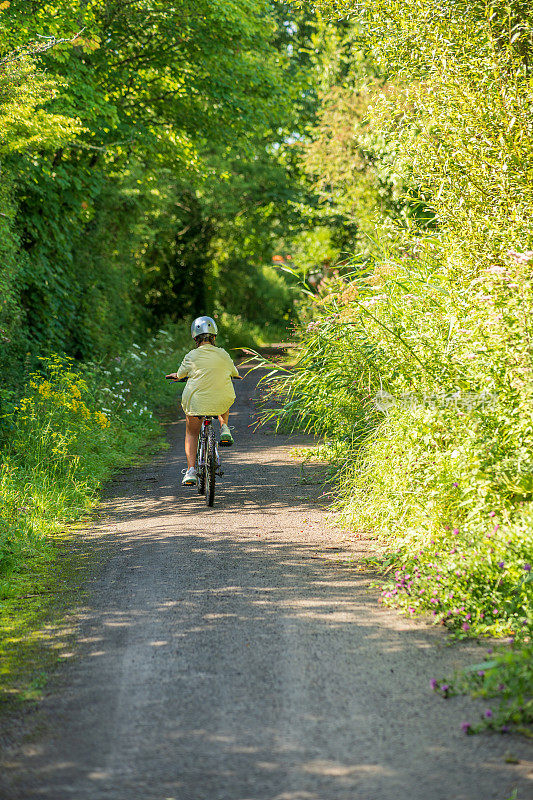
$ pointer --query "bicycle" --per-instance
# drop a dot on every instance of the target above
(208, 464)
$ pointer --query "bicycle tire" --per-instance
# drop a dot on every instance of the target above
(210, 467)
(200, 470)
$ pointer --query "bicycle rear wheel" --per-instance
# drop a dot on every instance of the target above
(210, 467)
(200, 464)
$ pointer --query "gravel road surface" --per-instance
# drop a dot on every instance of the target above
(234, 654)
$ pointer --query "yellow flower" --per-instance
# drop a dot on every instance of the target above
(81, 409)
(101, 419)
(75, 391)
(45, 389)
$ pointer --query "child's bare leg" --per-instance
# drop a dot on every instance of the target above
(193, 426)
(223, 418)
(226, 439)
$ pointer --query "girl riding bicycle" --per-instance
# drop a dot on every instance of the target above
(209, 391)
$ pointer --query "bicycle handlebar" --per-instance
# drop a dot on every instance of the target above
(184, 380)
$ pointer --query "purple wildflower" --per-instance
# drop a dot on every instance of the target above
(505, 729)
(466, 727)
(434, 684)
(481, 673)
(465, 626)
(527, 567)
(488, 713)
(501, 564)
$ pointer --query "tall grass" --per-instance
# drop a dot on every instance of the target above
(418, 368)
(421, 386)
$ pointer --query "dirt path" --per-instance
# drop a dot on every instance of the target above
(226, 654)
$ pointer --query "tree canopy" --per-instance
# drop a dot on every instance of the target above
(146, 165)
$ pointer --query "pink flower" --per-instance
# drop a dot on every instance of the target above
(495, 270)
(465, 626)
(520, 258)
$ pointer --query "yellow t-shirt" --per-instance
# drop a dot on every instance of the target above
(209, 391)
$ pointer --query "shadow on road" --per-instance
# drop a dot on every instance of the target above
(226, 655)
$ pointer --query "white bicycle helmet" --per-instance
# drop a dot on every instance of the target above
(203, 325)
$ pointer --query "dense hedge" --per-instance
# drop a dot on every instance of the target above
(139, 178)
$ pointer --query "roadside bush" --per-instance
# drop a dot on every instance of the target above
(71, 429)
(420, 365)
(420, 387)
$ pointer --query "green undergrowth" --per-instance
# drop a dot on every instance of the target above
(236, 332)
(472, 582)
(415, 354)
(504, 681)
(70, 428)
(423, 400)
(33, 628)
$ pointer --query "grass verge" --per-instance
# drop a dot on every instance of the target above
(69, 430)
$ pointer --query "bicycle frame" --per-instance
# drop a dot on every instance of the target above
(207, 461)
(202, 445)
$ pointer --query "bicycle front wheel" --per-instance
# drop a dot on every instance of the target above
(210, 467)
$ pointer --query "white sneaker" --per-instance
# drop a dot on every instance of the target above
(226, 439)
(191, 477)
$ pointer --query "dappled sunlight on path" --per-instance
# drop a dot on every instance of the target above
(233, 654)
